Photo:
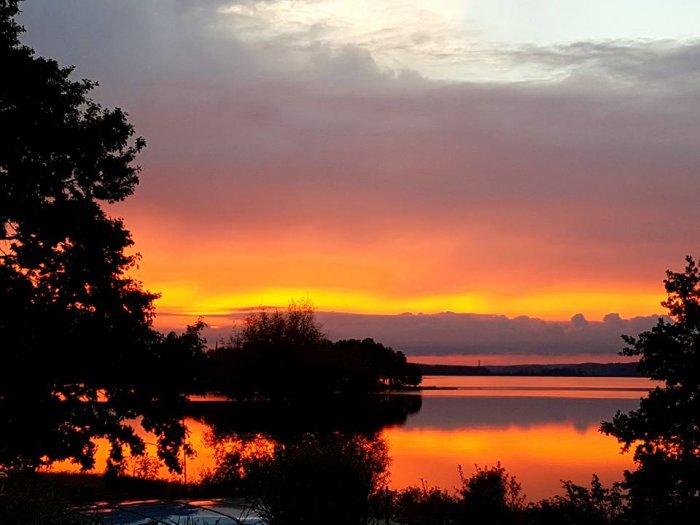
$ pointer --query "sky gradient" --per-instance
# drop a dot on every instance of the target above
(494, 157)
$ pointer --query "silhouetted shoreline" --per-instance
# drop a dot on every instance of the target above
(563, 370)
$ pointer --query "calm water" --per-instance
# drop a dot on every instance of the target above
(541, 429)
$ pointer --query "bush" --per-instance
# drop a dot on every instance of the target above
(239, 463)
(594, 506)
(490, 495)
(28, 500)
(425, 506)
(322, 479)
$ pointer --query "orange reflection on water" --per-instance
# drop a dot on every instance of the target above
(194, 466)
(538, 455)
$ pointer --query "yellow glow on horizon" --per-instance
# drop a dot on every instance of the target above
(391, 270)
(182, 299)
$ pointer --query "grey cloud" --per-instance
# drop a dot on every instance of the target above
(641, 64)
(613, 320)
(579, 321)
(443, 334)
(464, 334)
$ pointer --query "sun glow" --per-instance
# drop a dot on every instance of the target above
(380, 268)
(428, 37)
(185, 300)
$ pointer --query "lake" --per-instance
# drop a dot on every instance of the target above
(541, 429)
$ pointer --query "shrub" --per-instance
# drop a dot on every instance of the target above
(28, 500)
(322, 479)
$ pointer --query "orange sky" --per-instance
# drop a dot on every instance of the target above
(395, 270)
(489, 166)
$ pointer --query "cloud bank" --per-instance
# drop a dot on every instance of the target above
(464, 338)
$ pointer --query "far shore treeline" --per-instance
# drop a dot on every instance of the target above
(561, 370)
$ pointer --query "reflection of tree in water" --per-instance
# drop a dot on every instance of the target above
(236, 457)
(321, 477)
(365, 414)
(322, 459)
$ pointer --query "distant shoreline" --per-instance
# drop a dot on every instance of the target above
(561, 370)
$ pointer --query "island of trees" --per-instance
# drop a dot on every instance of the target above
(279, 354)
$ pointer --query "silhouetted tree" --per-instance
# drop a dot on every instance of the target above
(181, 361)
(325, 477)
(322, 479)
(369, 365)
(665, 430)
(278, 354)
(78, 355)
(278, 332)
(425, 505)
(274, 354)
(490, 495)
(596, 505)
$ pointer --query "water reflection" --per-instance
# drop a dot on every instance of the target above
(451, 412)
(536, 386)
(321, 477)
(539, 455)
(542, 430)
(363, 414)
(542, 435)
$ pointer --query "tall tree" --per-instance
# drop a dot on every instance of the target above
(665, 430)
(78, 352)
(275, 354)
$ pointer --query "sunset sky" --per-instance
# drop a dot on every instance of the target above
(523, 158)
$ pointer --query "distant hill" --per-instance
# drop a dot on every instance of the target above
(581, 369)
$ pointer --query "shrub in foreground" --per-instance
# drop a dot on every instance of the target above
(322, 479)
(28, 500)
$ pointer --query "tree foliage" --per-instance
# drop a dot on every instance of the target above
(596, 505)
(274, 354)
(322, 479)
(490, 494)
(665, 430)
(370, 365)
(79, 354)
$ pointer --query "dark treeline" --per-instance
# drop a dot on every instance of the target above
(572, 370)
